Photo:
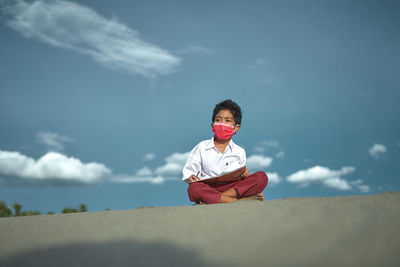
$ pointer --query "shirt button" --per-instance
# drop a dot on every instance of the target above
(226, 164)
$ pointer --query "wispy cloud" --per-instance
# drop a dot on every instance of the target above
(79, 28)
(376, 150)
(52, 141)
(327, 177)
(360, 186)
(263, 146)
(144, 172)
(260, 71)
(259, 63)
(149, 156)
(270, 146)
(195, 49)
(280, 154)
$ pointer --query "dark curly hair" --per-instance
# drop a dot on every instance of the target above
(232, 107)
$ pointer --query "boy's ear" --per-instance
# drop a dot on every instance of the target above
(237, 128)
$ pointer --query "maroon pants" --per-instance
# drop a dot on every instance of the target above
(211, 194)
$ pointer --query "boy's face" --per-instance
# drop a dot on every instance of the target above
(226, 116)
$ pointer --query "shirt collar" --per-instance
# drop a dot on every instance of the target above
(212, 145)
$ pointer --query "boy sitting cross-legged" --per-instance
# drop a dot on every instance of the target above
(220, 155)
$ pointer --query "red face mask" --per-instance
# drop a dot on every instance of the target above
(223, 131)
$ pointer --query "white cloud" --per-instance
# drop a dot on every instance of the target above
(327, 177)
(337, 183)
(52, 168)
(149, 156)
(169, 171)
(145, 171)
(258, 162)
(360, 186)
(53, 141)
(57, 169)
(138, 179)
(273, 178)
(174, 164)
(376, 150)
(79, 28)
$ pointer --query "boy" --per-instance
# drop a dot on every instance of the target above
(220, 155)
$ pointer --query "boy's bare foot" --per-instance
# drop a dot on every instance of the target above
(259, 196)
(229, 196)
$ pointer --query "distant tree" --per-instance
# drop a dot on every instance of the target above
(69, 210)
(17, 209)
(30, 213)
(4, 210)
(82, 208)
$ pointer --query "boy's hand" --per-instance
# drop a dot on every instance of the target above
(193, 178)
(246, 173)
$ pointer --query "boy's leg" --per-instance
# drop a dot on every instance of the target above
(201, 192)
(252, 185)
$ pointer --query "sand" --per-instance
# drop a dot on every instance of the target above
(334, 231)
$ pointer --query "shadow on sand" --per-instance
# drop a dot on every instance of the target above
(116, 253)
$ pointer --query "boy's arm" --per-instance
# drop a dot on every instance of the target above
(243, 162)
(191, 171)
(192, 166)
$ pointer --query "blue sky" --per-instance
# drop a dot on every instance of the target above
(101, 102)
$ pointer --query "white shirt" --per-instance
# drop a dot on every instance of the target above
(205, 161)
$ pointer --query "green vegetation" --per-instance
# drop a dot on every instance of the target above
(82, 208)
(5, 211)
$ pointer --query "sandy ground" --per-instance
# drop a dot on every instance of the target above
(335, 231)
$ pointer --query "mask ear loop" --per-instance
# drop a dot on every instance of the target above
(235, 128)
